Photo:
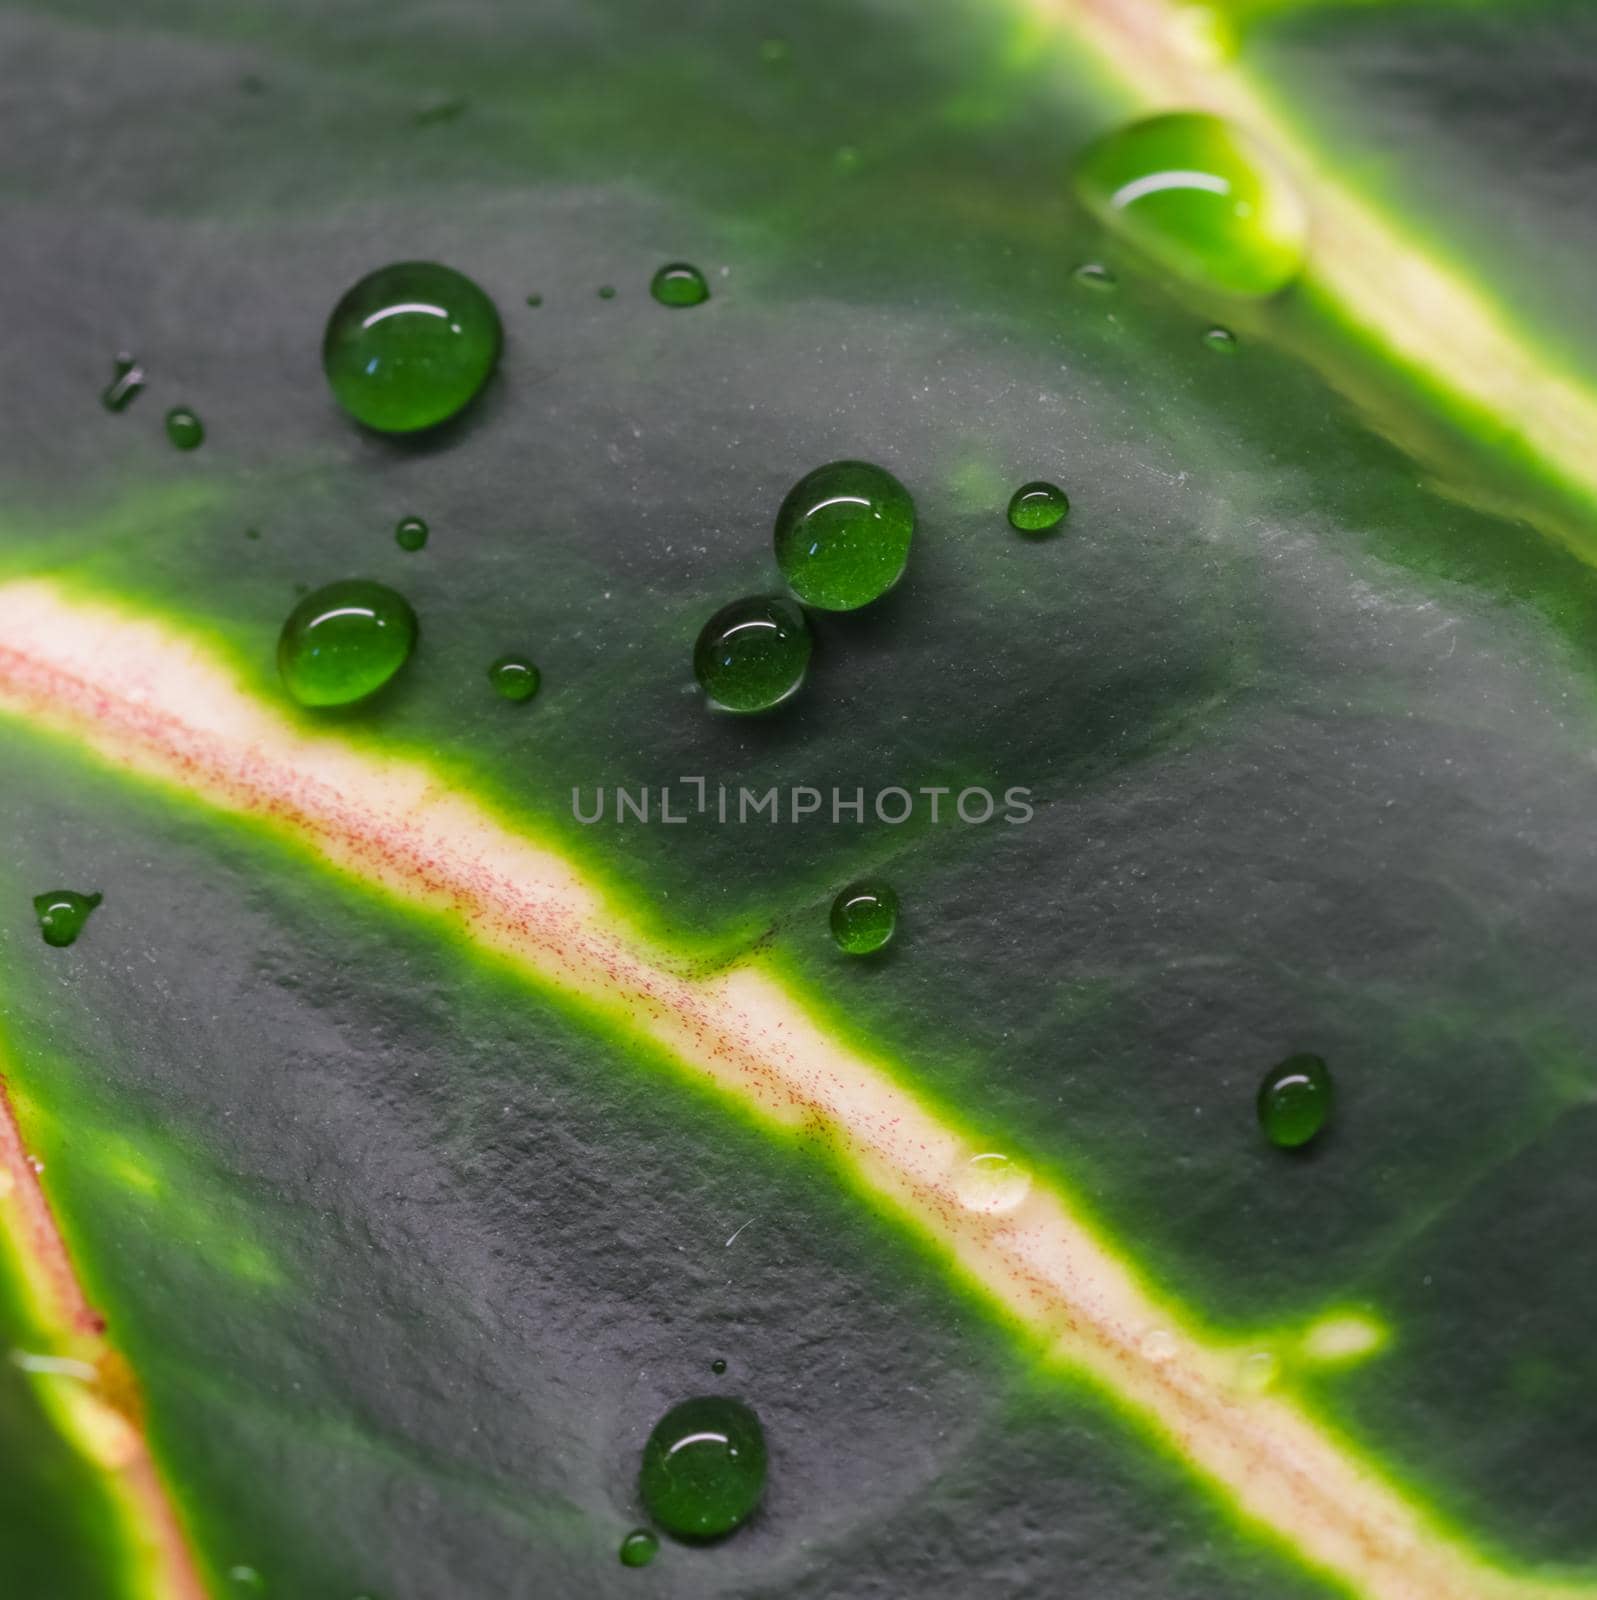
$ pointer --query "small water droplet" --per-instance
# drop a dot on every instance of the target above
(252, 83)
(410, 533)
(344, 642)
(607, 291)
(1158, 1346)
(126, 382)
(514, 678)
(991, 1183)
(1258, 1371)
(843, 535)
(1295, 1100)
(639, 1548)
(534, 299)
(1222, 341)
(1038, 507)
(448, 108)
(246, 1579)
(774, 51)
(184, 428)
(718, 1366)
(1200, 198)
(62, 914)
(252, 533)
(410, 346)
(753, 654)
(846, 158)
(679, 284)
(703, 1468)
(1094, 275)
(864, 917)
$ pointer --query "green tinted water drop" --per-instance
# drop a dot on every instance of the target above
(1037, 507)
(1222, 341)
(1295, 1100)
(184, 428)
(125, 384)
(703, 1468)
(679, 284)
(1094, 275)
(344, 642)
(514, 678)
(62, 914)
(534, 300)
(246, 1580)
(607, 291)
(864, 917)
(410, 345)
(753, 654)
(1201, 199)
(410, 533)
(718, 1367)
(843, 535)
(638, 1548)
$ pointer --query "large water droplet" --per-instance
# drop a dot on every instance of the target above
(843, 535)
(514, 678)
(1295, 1100)
(679, 284)
(62, 914)
(1038, 507)
(1200, 198)
(753, 654)
(864, 917)
(638, 1549)
(991, 1183)
(410, 345)
(184, 428)
(344, 642)
(703, 1468)
(124, 386)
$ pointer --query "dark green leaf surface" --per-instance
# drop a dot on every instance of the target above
(407, 1259)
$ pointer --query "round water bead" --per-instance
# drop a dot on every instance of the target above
(843, 535)
(1221, 340)
(638, 1548)
(679, 284)
(703, 1468)
(410, 345)
(184, 429)
(1199, 198)
(410, 533)
(62, 913)
(753, 654)
(344, 642)
(514, 678)
(1037, 507)
(864, 917)
(1295, 1100)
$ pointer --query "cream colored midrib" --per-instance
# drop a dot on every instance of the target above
(148, 701)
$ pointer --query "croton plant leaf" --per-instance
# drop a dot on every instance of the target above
(411, 1124)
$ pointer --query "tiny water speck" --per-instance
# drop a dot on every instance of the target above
(1096, 276)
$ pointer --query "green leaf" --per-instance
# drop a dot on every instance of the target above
(421, 1145)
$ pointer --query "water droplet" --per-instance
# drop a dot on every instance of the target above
(1201, 198)
(410, 345)
(991, 1183)
(1295, 1100)
(410, 533)
(864, 917)
(246, 1579)
(1222, 341)
(753, 654)
(252, 533)
(679, 284)
(1094, 275)
(718, 1367)
(607, 291)
(703, 1468)
(514, 678)
(843, 535)
(773, 51)
(344, 642)
(124, 387)
(1158, 1346)
(1037, 507)
(184, 428)
(638, 1548)
(62, 913)
(534, 299)
(846, 158)
(1258, 1371)
(448, 109)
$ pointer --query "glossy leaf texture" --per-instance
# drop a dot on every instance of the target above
(404, 1253)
